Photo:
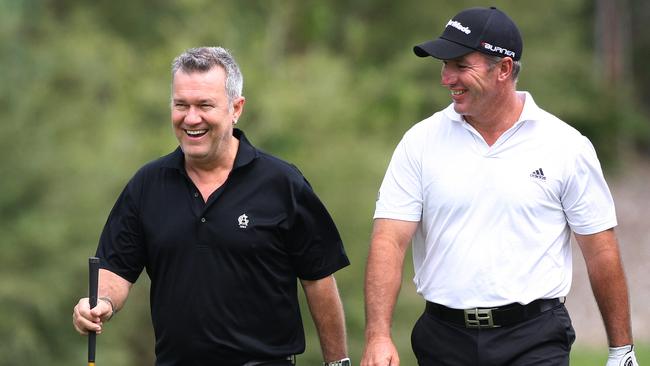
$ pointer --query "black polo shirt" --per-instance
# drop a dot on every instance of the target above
(223, 273)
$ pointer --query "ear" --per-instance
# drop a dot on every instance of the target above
(238, 107)
(506, 66)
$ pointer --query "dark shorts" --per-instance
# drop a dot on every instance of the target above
(543, 340)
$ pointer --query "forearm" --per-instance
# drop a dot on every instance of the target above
(113, 287)
(388, 245)
(390, 239)
(328, 315)
(382, 286)
(610, 290)
(608, 284)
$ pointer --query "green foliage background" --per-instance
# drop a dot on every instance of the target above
(330, 86)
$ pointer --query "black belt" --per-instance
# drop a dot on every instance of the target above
(492, 317)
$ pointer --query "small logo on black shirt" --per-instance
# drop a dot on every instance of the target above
(243, 221)
(539, 174)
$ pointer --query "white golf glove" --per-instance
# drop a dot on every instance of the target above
(622, 356)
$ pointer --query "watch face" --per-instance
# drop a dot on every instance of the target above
(345, 363)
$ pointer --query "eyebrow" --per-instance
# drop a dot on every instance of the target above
(200, 101)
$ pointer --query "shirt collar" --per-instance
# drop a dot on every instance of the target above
(531, 111)
(246, 152)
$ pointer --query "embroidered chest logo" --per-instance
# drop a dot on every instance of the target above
(539, 174)
(243, 221)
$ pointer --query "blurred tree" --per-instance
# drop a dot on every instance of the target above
(639, 12)
(330, 87)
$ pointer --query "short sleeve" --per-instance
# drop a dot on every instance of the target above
(586, 198)
(121, 248)
(400, 195)
(315, 246)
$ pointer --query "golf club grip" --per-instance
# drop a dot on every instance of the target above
(93, 278)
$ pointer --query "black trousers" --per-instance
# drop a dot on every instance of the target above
(543, 340)
(270, 363)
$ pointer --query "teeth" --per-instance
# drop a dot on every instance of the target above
(195, 132)
(457, 92)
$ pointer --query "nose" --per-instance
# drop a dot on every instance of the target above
(447, 76)
(192, 116)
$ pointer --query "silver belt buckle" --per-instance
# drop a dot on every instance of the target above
(479, 318)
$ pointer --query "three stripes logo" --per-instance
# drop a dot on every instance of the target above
(539, 174)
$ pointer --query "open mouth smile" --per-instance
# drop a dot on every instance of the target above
(195, 133)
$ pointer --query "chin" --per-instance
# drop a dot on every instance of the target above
(192, 151)
(459, 109)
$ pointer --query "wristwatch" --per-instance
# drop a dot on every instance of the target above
(343, 362)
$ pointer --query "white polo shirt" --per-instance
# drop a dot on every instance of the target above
(495, 221)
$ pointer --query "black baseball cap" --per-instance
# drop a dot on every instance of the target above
(486, 30)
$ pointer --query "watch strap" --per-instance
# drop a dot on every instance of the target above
(341, 362)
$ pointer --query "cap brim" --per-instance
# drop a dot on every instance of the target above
(441, 49)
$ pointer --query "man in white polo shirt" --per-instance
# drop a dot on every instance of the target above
(489, 191)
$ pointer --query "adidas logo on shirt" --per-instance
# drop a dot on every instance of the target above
(539, 174)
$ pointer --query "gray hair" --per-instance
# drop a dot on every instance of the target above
(203, 59)
(516, 65)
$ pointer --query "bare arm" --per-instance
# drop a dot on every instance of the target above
(389, 242)
(327, 311)
(608, 283)
(111, 286)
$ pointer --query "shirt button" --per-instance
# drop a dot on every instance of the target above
(196, 194)
(202, 219)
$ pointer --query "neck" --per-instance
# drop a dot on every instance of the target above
(224, 158)
(211, 174)
(492, 124)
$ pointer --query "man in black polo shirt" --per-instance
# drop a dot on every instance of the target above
(224, 231)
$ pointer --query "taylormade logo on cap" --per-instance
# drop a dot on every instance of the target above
(458, 26)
